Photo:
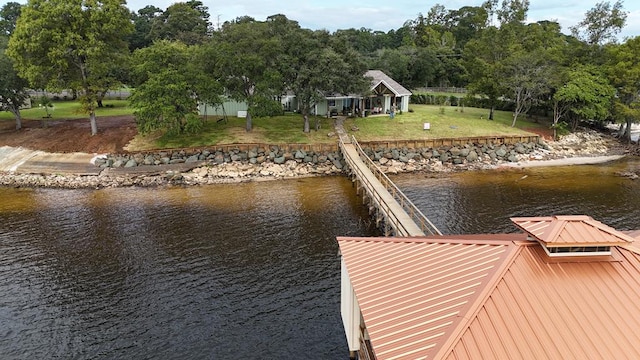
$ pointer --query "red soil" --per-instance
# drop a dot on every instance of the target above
(63, 136)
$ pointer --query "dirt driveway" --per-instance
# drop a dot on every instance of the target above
(64, 136)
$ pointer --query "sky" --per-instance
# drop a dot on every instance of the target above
(385, 15)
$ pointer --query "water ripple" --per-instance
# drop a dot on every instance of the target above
(248, 271)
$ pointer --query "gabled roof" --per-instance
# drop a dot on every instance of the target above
(571, 230)
(413, 293)
(493, 297)
(380, 77)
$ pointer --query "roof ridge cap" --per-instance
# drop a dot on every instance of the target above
(556, 226)
(473, 308)
(610, 230)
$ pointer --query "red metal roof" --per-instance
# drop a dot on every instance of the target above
(571, 230)
(557, 310)
(478, 298)
(414, 293)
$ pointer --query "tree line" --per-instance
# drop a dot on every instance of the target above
(175, 58)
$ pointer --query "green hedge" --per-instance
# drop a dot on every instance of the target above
(470, 101)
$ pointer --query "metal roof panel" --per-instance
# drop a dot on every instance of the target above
(476, 298)
(571, 230)
(413, 293)
(563, 310)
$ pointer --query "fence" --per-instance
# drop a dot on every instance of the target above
(425, 225)
(442, 90)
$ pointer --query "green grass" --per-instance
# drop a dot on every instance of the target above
(268, 130)
(446, 122)
(453, 123)
(63, 110)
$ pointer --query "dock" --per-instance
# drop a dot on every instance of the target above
(394, 213)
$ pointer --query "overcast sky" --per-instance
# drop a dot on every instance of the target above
(384, 15)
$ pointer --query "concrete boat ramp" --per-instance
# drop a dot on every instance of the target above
(25, 161)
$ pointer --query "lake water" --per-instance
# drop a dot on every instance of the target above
(483, 201)
(231, 271)
(235, 271)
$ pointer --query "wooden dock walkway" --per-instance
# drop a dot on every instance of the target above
(393, 210)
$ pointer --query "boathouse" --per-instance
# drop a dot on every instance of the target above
(565, 287)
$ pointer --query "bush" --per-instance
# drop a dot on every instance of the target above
(561, 128)
(263, 107)
(483, 103)
(193, 124)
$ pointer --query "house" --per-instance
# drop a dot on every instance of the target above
(384, 93)
(566, 287)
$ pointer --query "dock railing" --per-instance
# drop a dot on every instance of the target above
(382, 202)
(414, 213)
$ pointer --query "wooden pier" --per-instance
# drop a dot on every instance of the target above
(394, 213)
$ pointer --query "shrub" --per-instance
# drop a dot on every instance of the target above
(263, 107)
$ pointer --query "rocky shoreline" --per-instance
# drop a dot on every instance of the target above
(214, 167)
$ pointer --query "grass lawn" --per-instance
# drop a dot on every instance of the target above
(269, 130)
(446, 122)
(452, 123)
(63, 110)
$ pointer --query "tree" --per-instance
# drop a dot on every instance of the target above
(483, 58)
(70, 44)
(363, 40)
(311, 69)
(170, 83)
(8, 17)
(525, 75)
(184, 21)
(467, 22)
(601, 24)
(513, 11)
(586, 95)
(244, 57)
(623, 70)
(13, 92)
(394, 62)
(142, 22)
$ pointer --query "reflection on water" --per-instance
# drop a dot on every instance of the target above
(228, 271)
(483, 202)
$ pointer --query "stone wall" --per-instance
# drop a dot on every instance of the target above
(254, 156)
(451, 158)
(273, 162)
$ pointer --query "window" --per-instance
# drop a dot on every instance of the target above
(578, 250)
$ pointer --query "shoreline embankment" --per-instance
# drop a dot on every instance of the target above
(202, 167)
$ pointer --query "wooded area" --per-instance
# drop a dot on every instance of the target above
(175, 58)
